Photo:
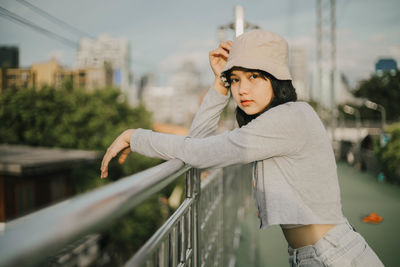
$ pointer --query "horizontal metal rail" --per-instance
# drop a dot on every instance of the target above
(31, 239)
(203, 231)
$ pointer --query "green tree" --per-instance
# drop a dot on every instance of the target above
(91, 120)
(69, 119)
(389, 155)
(72, 118)
(384, 90)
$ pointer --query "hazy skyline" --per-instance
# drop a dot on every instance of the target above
(164, 33)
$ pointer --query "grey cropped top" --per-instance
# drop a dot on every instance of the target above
(294, 171)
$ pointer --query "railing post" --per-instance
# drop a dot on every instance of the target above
(195, 186)
(193, 191)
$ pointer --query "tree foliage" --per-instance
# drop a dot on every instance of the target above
(389, 155)
(69, 119)
(384, 90)
(79, 119)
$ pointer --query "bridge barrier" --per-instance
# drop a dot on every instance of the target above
(203, 231)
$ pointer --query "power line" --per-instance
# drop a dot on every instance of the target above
(54, 19)
(18, 19)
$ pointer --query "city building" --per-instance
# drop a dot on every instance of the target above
(159, 101)
(89, 78)
(146, 80)
(16, 77)
(45, 72)
(188, 89)
(53, 74)
(177, 102)
(386, 65)
(106, 50)
(9, 57)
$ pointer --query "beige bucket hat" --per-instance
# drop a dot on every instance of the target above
(261, 50)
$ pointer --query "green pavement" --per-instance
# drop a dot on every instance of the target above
(361, 194)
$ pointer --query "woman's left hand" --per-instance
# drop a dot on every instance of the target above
(122, 142)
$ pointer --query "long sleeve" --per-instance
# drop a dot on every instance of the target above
(205, 121)
(276, 132)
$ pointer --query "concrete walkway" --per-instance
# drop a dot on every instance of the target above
(361, 195)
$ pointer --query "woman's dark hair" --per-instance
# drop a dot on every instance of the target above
(283, 92)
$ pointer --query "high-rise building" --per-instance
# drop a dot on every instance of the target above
(9, 57)
(386, 65)
(177, 102)
(106, 50)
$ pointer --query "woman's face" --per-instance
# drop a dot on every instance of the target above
(252, 92)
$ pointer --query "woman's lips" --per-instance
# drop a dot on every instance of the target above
(246, 102)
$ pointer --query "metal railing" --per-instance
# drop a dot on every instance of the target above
(203, 231)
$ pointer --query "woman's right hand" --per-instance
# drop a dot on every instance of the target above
(218, 57)
(121, 143)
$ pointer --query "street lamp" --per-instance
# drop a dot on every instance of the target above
(371, 105)
(356, 113)
(352, 111)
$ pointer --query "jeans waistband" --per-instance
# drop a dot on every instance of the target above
(334, 237)
(331, 238)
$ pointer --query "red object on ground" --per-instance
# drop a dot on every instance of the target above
(372, 218)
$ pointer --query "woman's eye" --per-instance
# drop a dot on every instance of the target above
(254, 76)
(234, 80)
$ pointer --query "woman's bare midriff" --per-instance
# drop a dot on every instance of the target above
(306, 235)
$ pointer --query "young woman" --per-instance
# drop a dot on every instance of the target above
(294, 171)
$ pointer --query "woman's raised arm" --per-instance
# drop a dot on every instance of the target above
(206, 119)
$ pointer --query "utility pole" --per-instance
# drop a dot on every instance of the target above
(239, 25)
(239, 20)
(334, 111)
(321, 62)
(319, 44)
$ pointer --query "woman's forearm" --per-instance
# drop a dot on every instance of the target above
(205, 122)
(274, 133)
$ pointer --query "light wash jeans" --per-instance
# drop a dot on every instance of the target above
(341, 246)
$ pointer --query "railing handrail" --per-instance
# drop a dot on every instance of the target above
(29, 240)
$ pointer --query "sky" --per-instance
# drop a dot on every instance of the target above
(163, 34)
